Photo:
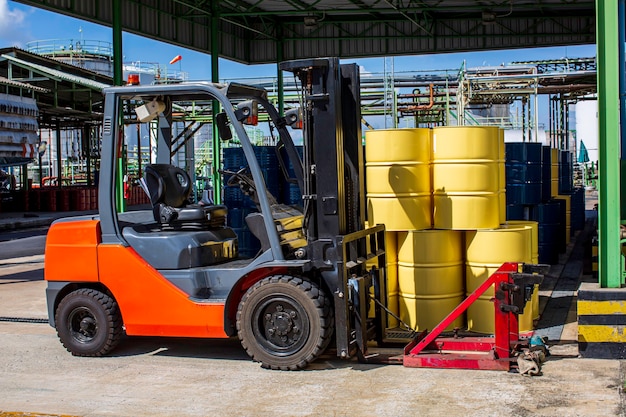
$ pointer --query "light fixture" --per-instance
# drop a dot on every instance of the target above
(310, 22)
(489, 18)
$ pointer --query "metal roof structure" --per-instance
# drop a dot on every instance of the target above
(264, 31)
(24, 86)
(66, 94)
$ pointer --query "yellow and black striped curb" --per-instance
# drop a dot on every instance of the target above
(601, 322)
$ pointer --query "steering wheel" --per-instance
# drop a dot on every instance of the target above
(236, 177)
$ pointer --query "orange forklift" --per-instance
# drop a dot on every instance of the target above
(174, 270)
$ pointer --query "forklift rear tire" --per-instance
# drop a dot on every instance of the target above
(88, 322)
(285, 322)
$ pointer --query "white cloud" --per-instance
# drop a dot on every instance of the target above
(363, 71)
(12, 25)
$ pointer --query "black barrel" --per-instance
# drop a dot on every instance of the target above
(517, 212)
(523, 173)
(551, 232)
(577, 209)
(566, 180)
(546, 173)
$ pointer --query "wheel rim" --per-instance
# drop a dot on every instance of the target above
(82, 324)
(280, 325)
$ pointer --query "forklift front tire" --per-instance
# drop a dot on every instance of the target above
(88, 323)
(285, 322)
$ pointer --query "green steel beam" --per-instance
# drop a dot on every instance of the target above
(215, 77)
(118, 76)
(609, 264)
(117, 43)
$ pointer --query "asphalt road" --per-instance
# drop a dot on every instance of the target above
(20, 243)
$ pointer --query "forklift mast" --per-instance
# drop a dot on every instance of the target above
(334, 200)
(334, 190)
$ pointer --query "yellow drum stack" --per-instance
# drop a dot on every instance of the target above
(447, 248)
(397, 172)
(466, 177)
(430, 277)
(398, 188)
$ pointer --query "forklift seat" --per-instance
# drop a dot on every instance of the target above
(169, 188)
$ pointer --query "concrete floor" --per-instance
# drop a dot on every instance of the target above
(188, 377)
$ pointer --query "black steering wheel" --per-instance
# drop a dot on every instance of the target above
(237, 177)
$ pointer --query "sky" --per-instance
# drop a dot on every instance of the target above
(20, 24)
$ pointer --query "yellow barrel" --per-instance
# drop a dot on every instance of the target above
(534, 226)
(568, 215)
(502, 175)
(398, 180)
(486, 251)
(466, 142)
(430, 277)
(466, 177)
(462, 211)
(398, 145)
(554, 171)
(401, 213)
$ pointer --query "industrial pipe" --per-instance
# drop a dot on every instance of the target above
(428, 106)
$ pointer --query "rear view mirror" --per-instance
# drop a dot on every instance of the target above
(223, 127)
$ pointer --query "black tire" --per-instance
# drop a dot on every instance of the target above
(285, 322)
(88, 322)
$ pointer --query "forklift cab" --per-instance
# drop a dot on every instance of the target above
(178, 233)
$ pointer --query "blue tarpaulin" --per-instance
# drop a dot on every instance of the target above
(583, 155)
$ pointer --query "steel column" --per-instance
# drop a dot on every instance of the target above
(59, 155)
(609, 164)
(622, 72)
(117, 42)
(279, 58)
(215, 77)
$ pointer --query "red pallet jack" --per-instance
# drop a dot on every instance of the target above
(513, 288)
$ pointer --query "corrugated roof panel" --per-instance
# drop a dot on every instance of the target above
(56, 73)
(104, 11)
(184, 31)
(201, 37)
(347, 27)
(168, 26)
(12, 83)
(131, 15)
(86, 7)
(149, 21)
